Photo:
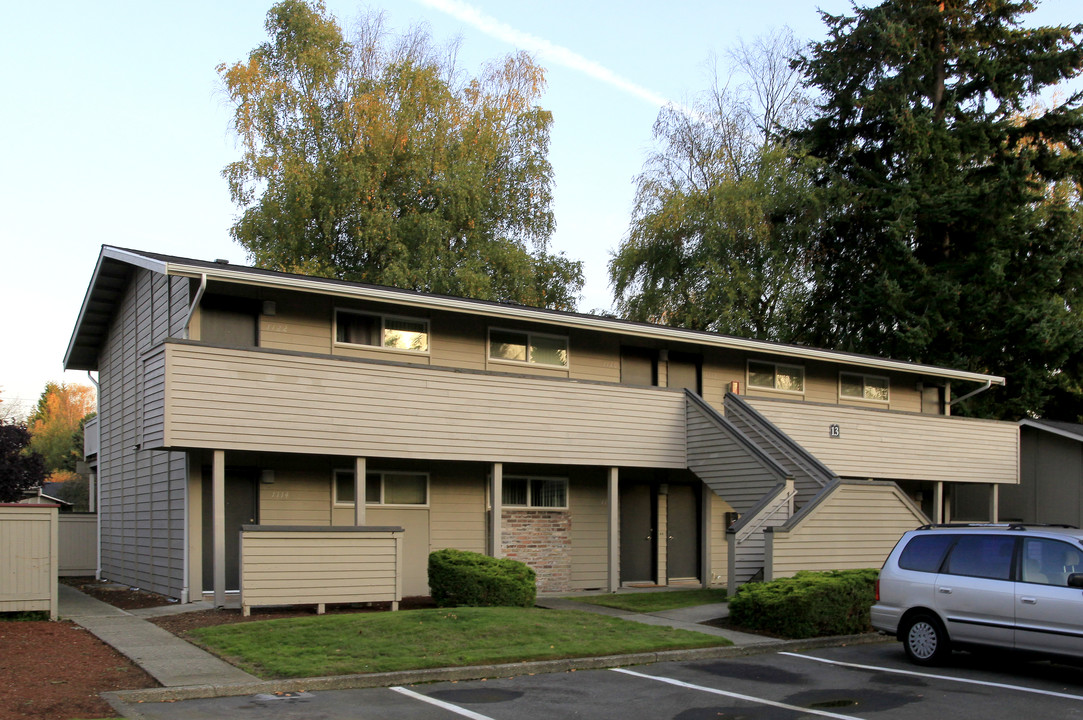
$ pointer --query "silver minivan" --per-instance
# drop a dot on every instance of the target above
(1003, 585)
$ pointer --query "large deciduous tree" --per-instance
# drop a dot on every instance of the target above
(952, 226)
(723, 208)
(378, 160)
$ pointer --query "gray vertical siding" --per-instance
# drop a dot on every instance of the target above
(725, 460)
(142, 508)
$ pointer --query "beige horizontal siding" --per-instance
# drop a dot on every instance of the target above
(28, 559)
(297, 497)
(301, 322)
(852, 526)
(719, 555)
(457, 516)
(588, 510)
(236, 399)
(77, 544)
(313, 566)
(900, 446)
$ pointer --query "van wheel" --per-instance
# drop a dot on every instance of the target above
(925, 640)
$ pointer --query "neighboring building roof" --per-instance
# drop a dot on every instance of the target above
(1073, 431)
(115, 265)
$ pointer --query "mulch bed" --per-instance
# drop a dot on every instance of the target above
(56, 670)
(116, 594)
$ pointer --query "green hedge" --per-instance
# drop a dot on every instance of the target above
(461, 578)
(809, 604)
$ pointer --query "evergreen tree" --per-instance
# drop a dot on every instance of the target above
(952, 225)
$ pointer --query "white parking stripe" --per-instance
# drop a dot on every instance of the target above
(440, 703)
(877, 668)
(738, 696)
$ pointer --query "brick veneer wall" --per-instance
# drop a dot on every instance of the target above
(542, 540)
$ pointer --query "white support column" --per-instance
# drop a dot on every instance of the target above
(359, 471)
(994, 503)
(938, 502)
(218, 510)
(613, 500)
(497, 504)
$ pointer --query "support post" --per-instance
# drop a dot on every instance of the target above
(497, 509)
(938, 502)
(218, 509)
(359, 484)
(613, 501)
(994, 502)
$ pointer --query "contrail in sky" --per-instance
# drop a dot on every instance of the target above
(553, 53)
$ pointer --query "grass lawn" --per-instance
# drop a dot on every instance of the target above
(413, 639)
(645, 602)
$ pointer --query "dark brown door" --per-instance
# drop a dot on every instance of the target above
(242, 508)
(637, 536)
(685, 371)
(682, 537)
(638, 366)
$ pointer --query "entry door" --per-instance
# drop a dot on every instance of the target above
(637, 536)
(242, 508)
(682, 541)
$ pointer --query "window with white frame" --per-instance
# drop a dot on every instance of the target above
(528, 347)
(385, 331)
(776, 376)
(383, 488)
(535, 492)
(864, 387)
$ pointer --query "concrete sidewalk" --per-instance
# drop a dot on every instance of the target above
(688, 618)
(168, 659)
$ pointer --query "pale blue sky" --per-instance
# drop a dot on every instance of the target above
(115, 127)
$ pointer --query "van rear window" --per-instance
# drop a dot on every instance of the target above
(924, 553)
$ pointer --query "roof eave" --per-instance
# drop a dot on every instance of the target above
(107, 254)
(585, 322)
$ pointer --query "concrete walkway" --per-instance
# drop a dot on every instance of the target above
(168, 659)
(688, 618)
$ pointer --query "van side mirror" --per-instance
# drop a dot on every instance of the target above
(1075, 580)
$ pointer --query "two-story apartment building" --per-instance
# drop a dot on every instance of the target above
(601, 452)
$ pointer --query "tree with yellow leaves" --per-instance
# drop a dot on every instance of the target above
(56, 426)
(379, 160)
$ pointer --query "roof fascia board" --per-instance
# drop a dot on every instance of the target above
(1050, 429)
(579, 322)
(108, 253)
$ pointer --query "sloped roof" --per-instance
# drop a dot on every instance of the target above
(115, 265)
(1073, 431)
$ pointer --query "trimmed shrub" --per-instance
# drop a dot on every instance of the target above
(809, 604)
(461, 578)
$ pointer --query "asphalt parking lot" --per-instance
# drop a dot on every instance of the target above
(864, 681)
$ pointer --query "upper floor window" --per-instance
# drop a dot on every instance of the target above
(775, 376)
(390, 332)
(535, 492)
(528, 347)
(384, 488)
(864, 387)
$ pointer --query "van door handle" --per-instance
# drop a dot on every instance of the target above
(1029, 600)
(946, 591)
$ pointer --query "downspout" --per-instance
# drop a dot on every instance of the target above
(186, 535)
(97, 494)
(983, 388)
(195, 303)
